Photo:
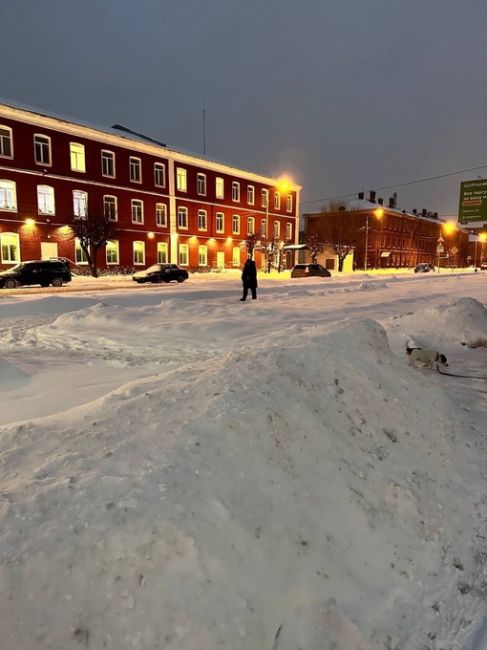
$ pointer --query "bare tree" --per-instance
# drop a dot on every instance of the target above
(93, 232)
(340, 236)
(271, 248)
(252, 243)
(315, 244)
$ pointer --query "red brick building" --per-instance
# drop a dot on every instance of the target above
(392, 237)
(166, 205)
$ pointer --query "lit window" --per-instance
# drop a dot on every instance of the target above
(202, 256)
(277, 201)
(112, 251)
(108, 163)
(137, 211)
(183, 218)
(10, 247)
(220, 222)
(219, 188)
(235, 224)
(250, 226)
(45, 199)
(77, 154)
(8, 196)
(110, 207)
(263, 227)
(289, 203)
(250, 195)
(80, 256)
(42, 149)
(202, 220)
(138, 248)
(277, 228)
(181, 179)
(6, 142)
(161, 252)
(289, 230)
(265, 198)
(159, 175)
(135, 169)
(80, 204)
(201, 184)
(236, 256)
(235, 191)
(183, 254)
(161, 215)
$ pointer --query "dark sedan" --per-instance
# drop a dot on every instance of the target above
(161, 273)
(309, 270)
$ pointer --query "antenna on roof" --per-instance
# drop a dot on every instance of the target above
(120, 127)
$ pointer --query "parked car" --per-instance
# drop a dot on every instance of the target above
(309, 270)
(43, 272)
(483, 266)
(161, 273)
(424, 268)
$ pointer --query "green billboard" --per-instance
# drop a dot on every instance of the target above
(473, 201)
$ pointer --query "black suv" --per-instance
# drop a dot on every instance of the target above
(424, 267)
(44, 272)
(161, 273)
(308, 270)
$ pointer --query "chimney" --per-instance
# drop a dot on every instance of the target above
(380, 201)
(361, 196)
(392, 203)
(415, 211)
(372, 196)
(424, 212)
(435, 215)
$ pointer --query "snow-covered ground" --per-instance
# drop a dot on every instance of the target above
(183, 471)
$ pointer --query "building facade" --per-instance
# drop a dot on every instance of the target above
(165, 205)
(387, 237)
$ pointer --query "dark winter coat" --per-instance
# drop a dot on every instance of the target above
(249, 275)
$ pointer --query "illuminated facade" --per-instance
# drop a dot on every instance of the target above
(166, 205)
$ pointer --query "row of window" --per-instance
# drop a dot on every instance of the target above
(43, 156)
(46, 205)
(77, 157)
(10, 252)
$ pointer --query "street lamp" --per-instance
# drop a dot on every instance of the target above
(378, 214)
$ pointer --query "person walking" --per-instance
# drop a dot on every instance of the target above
(249, 279)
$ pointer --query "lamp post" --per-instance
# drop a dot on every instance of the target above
(378, 213)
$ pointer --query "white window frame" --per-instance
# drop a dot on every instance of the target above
(202, 255)
(182, 210)
(236, 252)
(202, 220)
(134, 251)
(80, 197)
(161, 211)
(135, 163)
(10, 138)
(8, 188)
(110, 156)
(235, 224)
(250, 194)
(277, 200)
(112, 245)
(217, 219)
(41, 204)
(277, 228)
(160, 169)
(289, 230)
(162, 247)
(219, 187)
(201, 184)
(251, 226)
(183, 250)
(264, 198)
(8, 258)
(263, 227)
(81, 259)
(235, 191)
(181, 179)
(135, 203)
(289, 203)
(77, 159)
(114, 203)
(49, 150)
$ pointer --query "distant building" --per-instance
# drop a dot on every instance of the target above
(383, 236)
(166, 205)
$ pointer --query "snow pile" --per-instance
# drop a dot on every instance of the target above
(10, 376)
(463, 321)
(303, 493)
(367, 286)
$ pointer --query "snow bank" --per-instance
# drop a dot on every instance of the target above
(301, 492)
(10, 376)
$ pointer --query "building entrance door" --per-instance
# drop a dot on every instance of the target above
(220, 260)
(48, 250)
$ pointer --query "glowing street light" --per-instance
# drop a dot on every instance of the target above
(449, 228)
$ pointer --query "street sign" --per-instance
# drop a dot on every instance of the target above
(440, 249)
(441, 240)
(454, 250)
